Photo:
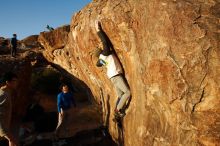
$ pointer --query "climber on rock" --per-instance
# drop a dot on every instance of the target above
(50, 28)
(108, 59)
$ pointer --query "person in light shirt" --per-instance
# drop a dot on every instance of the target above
(108, 59)
(6, 91)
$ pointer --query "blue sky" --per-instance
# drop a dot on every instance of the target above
(29, 17)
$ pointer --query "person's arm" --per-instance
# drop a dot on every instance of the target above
(4, 108)
(11, 140)
(4, 105)
(107, 45)
(100, 63)
(59, 103)
(59, 106)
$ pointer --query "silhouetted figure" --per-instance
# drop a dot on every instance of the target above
(108, 59)
(14, 45)
(49, 28)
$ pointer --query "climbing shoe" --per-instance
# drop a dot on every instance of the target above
(119, 114)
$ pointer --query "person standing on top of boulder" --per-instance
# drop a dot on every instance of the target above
(50, 28)
(10, 84)
(14, 45)
(114, 71)
(65, 100)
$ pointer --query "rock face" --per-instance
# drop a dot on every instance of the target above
(170, 54)
(54, 40)
(4, 46)
(29, 42)
(22, 68)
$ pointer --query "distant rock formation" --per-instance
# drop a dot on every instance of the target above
(54, 40)
(29, 42)
(4, 46)
(170, 53)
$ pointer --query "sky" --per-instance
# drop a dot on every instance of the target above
(30, 17)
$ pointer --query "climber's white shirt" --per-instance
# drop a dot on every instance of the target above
(112, 64)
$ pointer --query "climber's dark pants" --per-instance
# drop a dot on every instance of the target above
(13, 50)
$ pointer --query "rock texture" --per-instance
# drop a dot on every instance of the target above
(4, 46)
(22, 68)
(54, 40)
(56, 51)
(29, 42)
(170, 54)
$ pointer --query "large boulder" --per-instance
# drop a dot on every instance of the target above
(54, 44)
(54, 40)
(170, 54)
